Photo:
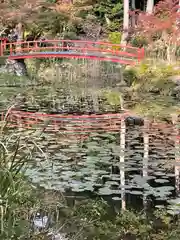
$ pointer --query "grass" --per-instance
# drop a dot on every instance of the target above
(2, 60)
(19, 200)
(16, 194)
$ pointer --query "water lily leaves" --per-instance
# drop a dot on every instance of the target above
(173, 212)
(91, 166)
(136, 192)
(162, 198)
(108, 136)
(139, 180)
(164, 188)
(89, 187)
(105, 191)
(160, 192)
(77, 189)
(115, 177)
(64, 177)
(95, 138)
(59, 155)
(159, 173)
(52, 147)
(117, 191)
(111, 183)
(174, 201)
(75, 185)
(160, 206)
(105, 158)
(116, 198)
(132, 169)
(161, 180)
(170, 174)
(92, 159)
(126, 186)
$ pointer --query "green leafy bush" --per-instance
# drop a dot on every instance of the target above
(96, 220)
(113, 10)
(138, 41)
(115, 37)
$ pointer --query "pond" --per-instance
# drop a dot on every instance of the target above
(133, 165)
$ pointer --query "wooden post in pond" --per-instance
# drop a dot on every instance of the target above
(177, 152)
(146, 155)
(121, 159)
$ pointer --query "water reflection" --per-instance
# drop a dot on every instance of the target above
(93, 165)
(137, 164)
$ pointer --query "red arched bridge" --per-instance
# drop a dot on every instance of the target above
(102, 51)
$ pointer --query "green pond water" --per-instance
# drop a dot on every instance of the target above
(93, 166)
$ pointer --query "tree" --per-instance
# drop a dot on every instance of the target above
(161, 27)
(110, 13)
(149, 7)
(125, 22)
(16, 14)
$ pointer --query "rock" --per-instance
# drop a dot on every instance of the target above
(40, 222)
(175, 79)
(176, 92)
(16, 67)
(57, 236)
(133, 120)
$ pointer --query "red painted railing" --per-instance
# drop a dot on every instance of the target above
(73, 48)
(3, 42)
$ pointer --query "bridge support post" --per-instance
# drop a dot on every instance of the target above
(1, 50)
(2, 45)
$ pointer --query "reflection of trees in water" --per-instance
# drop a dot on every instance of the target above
(87, 74)
(152, 157)
(148, 163)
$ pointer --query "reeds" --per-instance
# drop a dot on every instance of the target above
(16, 194)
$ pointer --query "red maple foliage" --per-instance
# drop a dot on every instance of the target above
(162, 23)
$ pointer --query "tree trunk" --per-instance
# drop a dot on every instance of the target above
(20, 35)
(133, 17)
(125, 22)
(150, 6)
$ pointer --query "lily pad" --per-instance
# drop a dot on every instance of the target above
(136, 193)
(105, 191)
(116, 198)
(161, 180)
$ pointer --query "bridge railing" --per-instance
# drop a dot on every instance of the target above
(84, 48)
(69, 124)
